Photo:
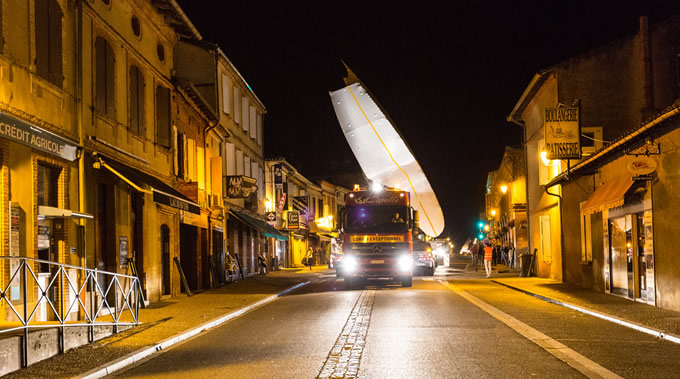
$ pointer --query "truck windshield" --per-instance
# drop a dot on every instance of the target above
(377, 219)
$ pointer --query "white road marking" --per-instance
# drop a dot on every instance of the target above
(572, 358)
(345, 356)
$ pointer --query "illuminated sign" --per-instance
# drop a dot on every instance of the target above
(562, 133)
(37, 138)
(376, 239)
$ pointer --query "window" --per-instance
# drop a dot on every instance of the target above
(136, 27)
(48, 56)
(47, 186)
(163, 116)
(239, 162)
(160, 51)
(104, 75)
(259, 129)
(230, 158)
(136, 101)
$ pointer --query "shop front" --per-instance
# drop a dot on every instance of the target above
(628, 239)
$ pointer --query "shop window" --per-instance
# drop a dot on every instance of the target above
(104, 75)
(163, 116)
(136, 101)
(48, 50)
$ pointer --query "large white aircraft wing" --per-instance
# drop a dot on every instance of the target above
(382, 152)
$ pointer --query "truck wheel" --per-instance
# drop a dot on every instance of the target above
(429, 271)
(407, 281)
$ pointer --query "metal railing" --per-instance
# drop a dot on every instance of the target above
(36, 293)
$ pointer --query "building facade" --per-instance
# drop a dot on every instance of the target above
(603, 222)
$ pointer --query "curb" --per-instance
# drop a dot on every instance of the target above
(113, 366)
(629, 324)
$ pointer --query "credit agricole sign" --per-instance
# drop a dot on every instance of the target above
(22, 132)
(562, 133)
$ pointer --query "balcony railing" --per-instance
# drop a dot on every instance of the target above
(36, 293)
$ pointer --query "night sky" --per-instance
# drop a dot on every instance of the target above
(448, 74)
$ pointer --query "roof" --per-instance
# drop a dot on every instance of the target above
(175, 16)
(528, 95)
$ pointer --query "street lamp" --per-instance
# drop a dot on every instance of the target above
(504, 189)
(493, 213)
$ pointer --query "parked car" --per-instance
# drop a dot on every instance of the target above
(423, 260)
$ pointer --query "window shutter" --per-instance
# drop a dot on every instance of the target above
(163, 116)
(259, 129)
(42, 44)
(230, 158)
(110, 64)
(246, 167)
(244, 114)
(226, 94)
(237, 105)
(100, 74)
(253, 123)
(134, 99)
(54, 36)
(239, 162)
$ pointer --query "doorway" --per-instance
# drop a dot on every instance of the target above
(187, 254)
(165, 259)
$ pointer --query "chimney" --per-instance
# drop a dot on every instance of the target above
(647, 79)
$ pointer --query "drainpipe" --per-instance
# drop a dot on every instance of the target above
(526, 181)
(78, 20)
(562, 252)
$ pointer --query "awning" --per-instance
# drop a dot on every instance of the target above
(51, 212)
(266, 229)
(610, 195)
(162, 193)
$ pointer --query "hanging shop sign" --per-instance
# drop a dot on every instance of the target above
(301, 204)
(239, 186)
(190, 190)
(562, 133)
(271, 218)
(641, 165)
(278, 176)
(293, 218)
(22, 132)
(282, 202)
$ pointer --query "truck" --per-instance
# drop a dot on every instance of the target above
(377, 237)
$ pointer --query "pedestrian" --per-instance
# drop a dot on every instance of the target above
(263, 264)
(309, 258)
(474, 250)
(488, 255)
(231, 268)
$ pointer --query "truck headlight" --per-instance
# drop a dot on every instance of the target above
(405, 263)
(349, 264)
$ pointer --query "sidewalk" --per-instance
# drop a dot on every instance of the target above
(168, 318)
(637, 313)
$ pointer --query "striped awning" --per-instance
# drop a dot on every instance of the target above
(610, 195)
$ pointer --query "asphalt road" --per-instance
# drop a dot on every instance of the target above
(473, 329)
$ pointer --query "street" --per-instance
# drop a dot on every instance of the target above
(449, 325)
